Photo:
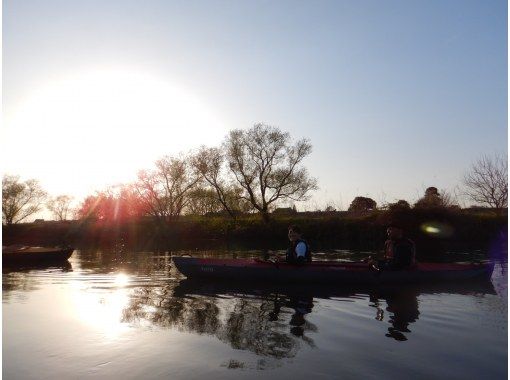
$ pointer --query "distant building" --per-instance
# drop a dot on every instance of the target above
(285, 211)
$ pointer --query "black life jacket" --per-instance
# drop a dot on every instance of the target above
(403, 253)
(291, 256)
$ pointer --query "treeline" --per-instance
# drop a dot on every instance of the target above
(435, 231)
(239, 193)
(252, 171)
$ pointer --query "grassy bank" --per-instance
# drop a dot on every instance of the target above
(434, 231)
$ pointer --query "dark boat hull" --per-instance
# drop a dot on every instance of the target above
(326, 272)
(35, 256)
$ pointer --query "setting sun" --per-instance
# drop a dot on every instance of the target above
(105, 125)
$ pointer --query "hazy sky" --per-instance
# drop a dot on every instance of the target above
(395, 96)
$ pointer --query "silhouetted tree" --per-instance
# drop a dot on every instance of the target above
(399, 205)
(266, 165)
(487, 182)
(164, 191)
(210, 163)
(60, 206)
(113, 205)
(89, 208)
(203, 201)
(362, 204)
(20, 199)
(433, 199)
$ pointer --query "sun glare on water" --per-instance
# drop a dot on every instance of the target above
(121, 279)
(100, 127)
(101, 308)
(101, 311)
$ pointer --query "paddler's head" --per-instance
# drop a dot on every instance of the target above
(395, 231)
(294, 233)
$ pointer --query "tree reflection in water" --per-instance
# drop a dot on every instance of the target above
(268, 324)
(273, 322)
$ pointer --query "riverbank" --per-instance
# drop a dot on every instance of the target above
(434, 231)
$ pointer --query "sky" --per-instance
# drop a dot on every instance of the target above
(394, 96)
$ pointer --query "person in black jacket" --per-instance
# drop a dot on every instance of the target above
(399, 251)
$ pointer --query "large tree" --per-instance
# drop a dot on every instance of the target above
(362, 204)
(60, 206)
(20, 199)
(487, 182)
(266, 164)
(165, 190)
(435, 199)
(210, 163)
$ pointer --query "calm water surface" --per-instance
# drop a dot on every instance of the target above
(132, 316)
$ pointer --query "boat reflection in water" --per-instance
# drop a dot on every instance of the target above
(16, 276)
(274, 321)
(63, 265)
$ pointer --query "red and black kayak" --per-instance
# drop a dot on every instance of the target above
(327, 271)
(31, 255)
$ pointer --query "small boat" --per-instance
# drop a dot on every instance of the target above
(26, 254)
(327, 272)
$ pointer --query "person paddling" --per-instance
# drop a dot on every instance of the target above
(399, 251)
(299, 251)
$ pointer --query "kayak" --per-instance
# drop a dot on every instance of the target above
(327, 271)
(24, 254)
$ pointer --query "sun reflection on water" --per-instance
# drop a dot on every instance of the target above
(101, 306)
(121, 279)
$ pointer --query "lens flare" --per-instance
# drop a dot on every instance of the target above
(432, 230)
(437, 229)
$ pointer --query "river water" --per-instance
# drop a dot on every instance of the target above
(131, 315)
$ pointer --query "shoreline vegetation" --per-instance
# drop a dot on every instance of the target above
(242, 194)
(434, 231)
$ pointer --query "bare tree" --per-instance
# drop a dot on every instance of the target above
(203, 201)
(266, 166)
(164, 191)
(211, 164)
(487, 182)
(20, 199)
(60, 206)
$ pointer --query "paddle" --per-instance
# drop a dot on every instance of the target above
(273, 260)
